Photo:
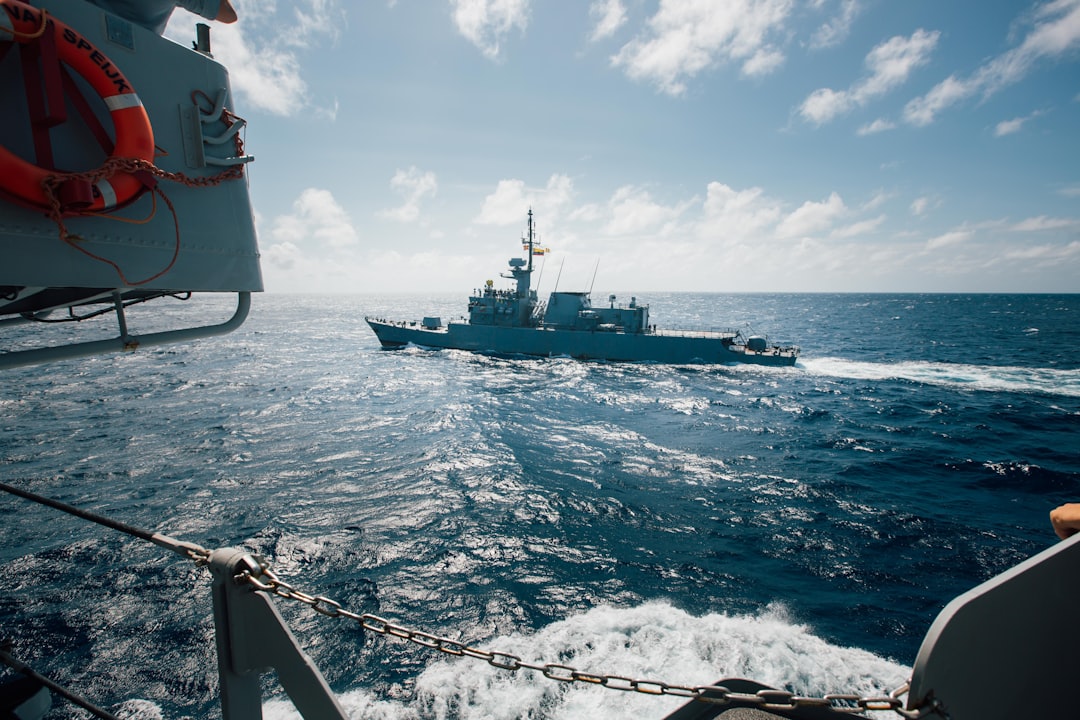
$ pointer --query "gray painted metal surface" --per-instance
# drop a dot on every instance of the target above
(218, 250)
(251, 638)
(195, 233)
(1009, 648)
(659, 346)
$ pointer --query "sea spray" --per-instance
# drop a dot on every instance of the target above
(653, 641)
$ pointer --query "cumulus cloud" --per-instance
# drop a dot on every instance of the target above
(1055, 31)
(609, 15)
(486, 23)
(633, 211)
(685, 38)
(812, 217)
(263, 50)
(511, 199)
(889, 65)
(738, 214)
(283, 255)
(414, 186)
(705, 241)
(316, 220)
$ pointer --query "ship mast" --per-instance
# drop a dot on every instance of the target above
(529, 269)
(521, 269)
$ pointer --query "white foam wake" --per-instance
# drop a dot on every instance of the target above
(989, 378)
(654, 641)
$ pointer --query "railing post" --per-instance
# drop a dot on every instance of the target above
(252, 637)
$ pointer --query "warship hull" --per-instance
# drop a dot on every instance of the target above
(653, 346)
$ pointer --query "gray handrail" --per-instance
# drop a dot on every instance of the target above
(124, 341)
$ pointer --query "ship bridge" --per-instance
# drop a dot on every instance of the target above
(575, 311)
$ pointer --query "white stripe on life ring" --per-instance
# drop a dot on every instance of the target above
(122, 102)
(108, 195)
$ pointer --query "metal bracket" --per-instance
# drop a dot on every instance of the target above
(251, 636)
(196, 141)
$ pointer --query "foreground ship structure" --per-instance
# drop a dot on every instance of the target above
(122, 182)
(515, 322)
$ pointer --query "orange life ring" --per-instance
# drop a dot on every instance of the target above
(23, 180)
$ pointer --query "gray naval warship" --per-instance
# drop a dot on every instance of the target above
(515, 322)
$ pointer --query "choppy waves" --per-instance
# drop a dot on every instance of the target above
(673, 523)
(654, 641)
(1007, 379)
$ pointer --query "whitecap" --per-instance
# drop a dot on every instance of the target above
(653, 641)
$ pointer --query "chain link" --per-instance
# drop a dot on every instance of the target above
(715, 694)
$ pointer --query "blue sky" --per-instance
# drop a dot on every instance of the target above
(705, 145)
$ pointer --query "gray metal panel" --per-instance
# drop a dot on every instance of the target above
(1009, 648)
(217, 230)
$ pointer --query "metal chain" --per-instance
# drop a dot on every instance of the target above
(267, 581)
(716, 694)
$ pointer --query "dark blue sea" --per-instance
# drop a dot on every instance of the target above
(800, 526)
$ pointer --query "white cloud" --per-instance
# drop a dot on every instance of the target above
(262, 50)
(741, 215)
(1043, 222)
(879, 199)
(922, 110)
(1055, 31)
(764, 61)
(414, 186)
(590, 212)
(610, 15)
(836, 30)
(1049, 254)
(889, 65)
(1015, 125)
(863, 227)
(318, 217)
(1008, 127)
(485, 23)
(953, 237)
(645, 243)
(685, 38)
(633, 211)
(812, 217)
(283, 255)
(512, 199)
(879, 125)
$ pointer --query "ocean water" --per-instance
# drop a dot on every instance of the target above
(799, 526)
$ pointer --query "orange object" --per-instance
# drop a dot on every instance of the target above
(117, 181)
